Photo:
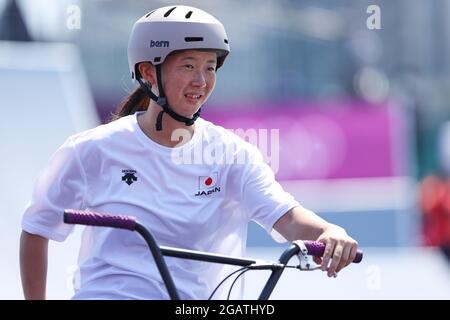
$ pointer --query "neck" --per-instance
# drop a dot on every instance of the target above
(173, 133)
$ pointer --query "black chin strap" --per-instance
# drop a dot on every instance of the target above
(162, 101)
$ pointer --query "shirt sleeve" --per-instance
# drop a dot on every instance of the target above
(262, 196)
(62, 185)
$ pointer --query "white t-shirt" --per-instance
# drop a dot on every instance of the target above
(199, 196)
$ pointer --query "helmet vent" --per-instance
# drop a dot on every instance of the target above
(148, 14)
(193, 39)
(188, 15)
(169, 12)
(225, 40)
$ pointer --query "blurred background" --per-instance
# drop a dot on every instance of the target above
(356, 93)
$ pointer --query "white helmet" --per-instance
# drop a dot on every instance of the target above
(173, 28)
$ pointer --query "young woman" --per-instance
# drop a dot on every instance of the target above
(127, 167)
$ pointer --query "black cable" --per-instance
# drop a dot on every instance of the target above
(240, 269)
(258, 267)
(237, 277)
(243, 270)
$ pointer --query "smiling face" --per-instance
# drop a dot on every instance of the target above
(188, 79)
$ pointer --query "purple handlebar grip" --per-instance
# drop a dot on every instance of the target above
(90, 218)
(317, 248)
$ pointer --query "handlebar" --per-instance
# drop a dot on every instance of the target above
(317, 249)
(313, 248)
(129, 222)
(91, 218)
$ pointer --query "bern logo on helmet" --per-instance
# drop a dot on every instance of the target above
(159, 44)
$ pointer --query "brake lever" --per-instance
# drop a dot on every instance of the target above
(306, 262)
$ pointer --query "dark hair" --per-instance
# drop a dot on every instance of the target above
(136, 101)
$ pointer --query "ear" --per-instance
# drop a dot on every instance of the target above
(148, 72)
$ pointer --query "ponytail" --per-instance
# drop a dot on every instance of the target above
(136, 101)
